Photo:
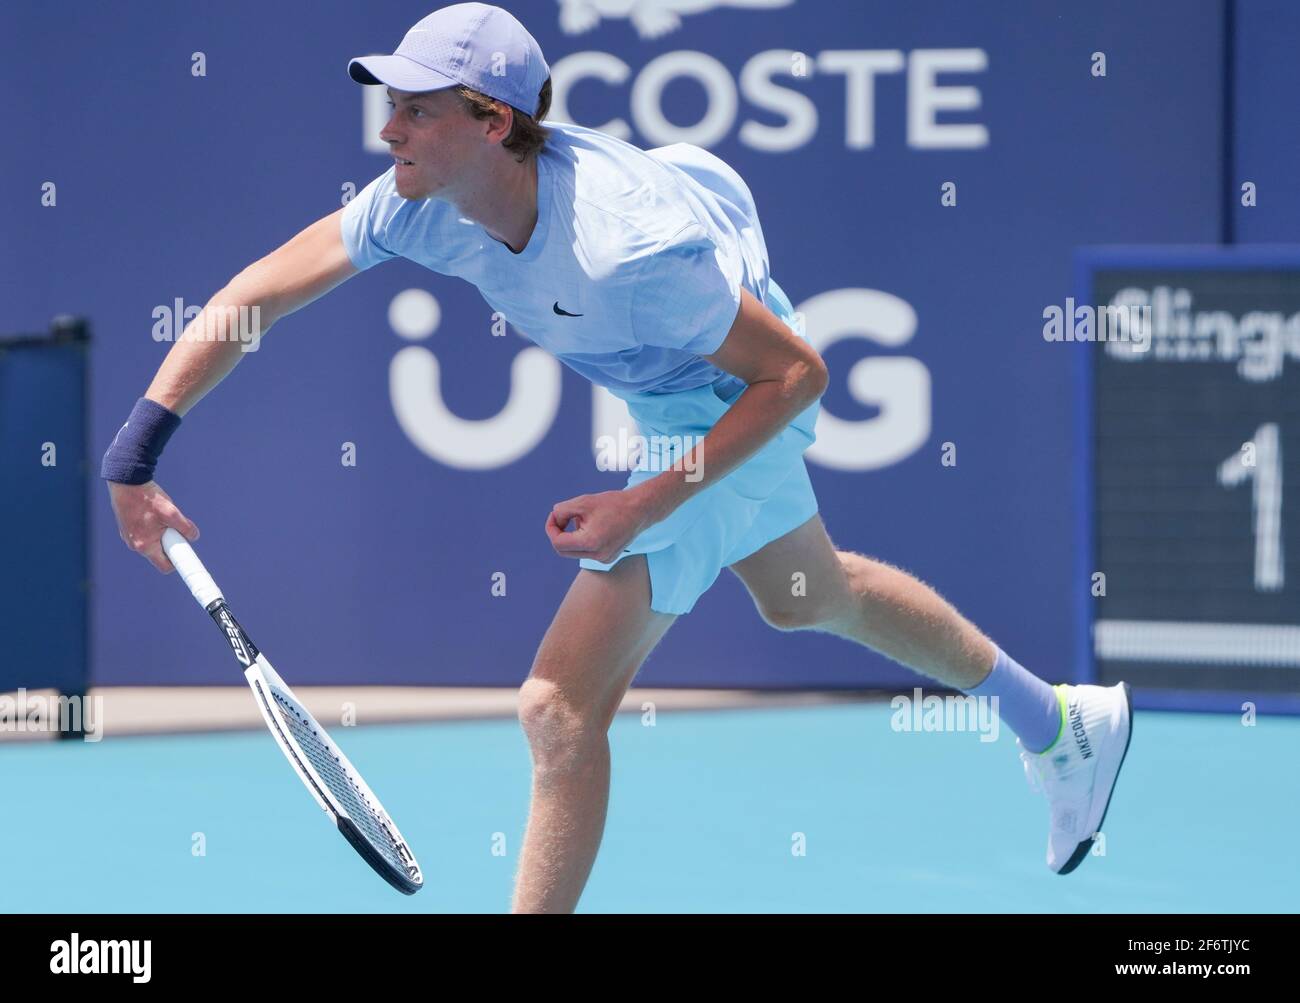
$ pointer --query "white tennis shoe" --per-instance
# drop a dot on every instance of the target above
(1078, 772)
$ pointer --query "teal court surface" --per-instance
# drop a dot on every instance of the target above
(807, 809)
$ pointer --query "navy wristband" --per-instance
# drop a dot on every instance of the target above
(138, 444)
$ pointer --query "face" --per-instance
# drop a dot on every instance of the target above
(437, 135)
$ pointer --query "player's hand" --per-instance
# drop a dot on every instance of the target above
(143, 511)
(603, 524)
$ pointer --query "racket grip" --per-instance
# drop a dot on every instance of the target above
(190, 568)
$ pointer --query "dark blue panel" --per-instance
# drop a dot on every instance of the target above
(43, 589)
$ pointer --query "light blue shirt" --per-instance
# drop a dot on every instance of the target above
(649, 249)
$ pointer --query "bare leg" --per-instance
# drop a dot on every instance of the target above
(602, 632)
(866, 601)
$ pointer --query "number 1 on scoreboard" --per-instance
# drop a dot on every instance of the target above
(1260, 459)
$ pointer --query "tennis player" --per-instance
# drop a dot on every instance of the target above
(647, 272)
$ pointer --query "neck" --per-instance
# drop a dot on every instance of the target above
(503, 200)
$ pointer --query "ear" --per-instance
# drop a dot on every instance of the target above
(500, 125)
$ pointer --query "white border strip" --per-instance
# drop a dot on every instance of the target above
(1209, 643)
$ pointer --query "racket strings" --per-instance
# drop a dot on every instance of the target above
(317, 747)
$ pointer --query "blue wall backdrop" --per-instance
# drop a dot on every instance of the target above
(169, 183)
(1264, 144)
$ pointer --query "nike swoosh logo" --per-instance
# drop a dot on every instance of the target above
(563, 313)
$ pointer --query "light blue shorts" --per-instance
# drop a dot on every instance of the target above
(761, 500)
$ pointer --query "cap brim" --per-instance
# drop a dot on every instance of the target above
(397, 72)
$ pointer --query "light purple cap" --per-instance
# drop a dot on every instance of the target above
(474, 44)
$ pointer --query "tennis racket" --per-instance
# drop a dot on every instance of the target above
(319, 763)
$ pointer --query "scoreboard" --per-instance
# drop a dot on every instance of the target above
(1194, 401)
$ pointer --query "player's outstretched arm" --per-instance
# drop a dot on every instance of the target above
(290, 277)
(229, 326)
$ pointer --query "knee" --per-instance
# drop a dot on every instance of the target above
(798, 614)
(824, 600)
(558, 729)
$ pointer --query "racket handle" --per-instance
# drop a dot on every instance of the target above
(190, 568)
